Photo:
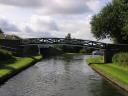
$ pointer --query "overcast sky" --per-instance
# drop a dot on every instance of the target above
(49, 18)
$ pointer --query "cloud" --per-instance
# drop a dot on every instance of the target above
(22, 3)
(94, 5)
(39, 26)
(7, 26)
(43, 23)
(70, 6)
(30, 33)
(55, 6)
(65, 7)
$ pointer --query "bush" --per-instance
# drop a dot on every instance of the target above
(5, 55)
(95, 59)
(89, 50)
(120, 58)
(82, 51)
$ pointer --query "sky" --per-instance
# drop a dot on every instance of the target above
(49, 18)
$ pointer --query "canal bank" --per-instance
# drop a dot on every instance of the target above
(113, 73)
(9, 69)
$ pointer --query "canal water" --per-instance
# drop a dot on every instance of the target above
(59, 76)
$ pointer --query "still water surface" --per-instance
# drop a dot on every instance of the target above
(59, 76)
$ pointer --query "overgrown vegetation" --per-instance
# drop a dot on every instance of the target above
(1, 31)
(10, 37)
(87, 50)
(95, 59)
(120, 58)
(82, 51)
(7, 36)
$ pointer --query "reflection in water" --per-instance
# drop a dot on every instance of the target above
(59, 76)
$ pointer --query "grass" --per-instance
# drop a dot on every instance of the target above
(96, 59)
(114, 71)
(9, 67)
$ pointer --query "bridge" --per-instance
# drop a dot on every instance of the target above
(77, 42)
(34, 44)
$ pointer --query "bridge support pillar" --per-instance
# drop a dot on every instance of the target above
(108, 54)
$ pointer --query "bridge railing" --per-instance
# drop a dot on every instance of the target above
(63, 41)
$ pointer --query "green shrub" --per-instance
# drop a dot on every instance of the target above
(5, 55)
(89, 50)
(96, 59)
(82, 51)
(120, 58)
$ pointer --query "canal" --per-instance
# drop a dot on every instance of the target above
(59, 76)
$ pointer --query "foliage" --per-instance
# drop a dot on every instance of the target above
(10, 37)
(112, 22)
(120, 58)
(5, 55)
(95, 59)
(1, 31)
(7, 36)
(68, 36)
(82, 51)
(87, 50)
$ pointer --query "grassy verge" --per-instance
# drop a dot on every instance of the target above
(10, 68)
(96, 59)
(113, 72)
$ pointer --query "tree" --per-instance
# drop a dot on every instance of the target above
(68, 36)
(112, 22)
(1, 31)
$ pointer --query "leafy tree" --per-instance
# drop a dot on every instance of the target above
(1, 31)
(68, 36)
(112, 22)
